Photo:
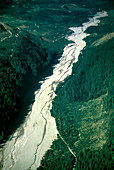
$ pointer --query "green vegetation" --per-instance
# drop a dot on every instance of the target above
(23, 61)
(95, 159)
(83, 107)
(58, 157)
(85, 119)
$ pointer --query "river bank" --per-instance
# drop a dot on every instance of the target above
(49, 28)
(83, 107)
(39, 125)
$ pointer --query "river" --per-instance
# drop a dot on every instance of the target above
(26, 147)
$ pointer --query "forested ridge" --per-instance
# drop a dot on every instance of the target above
(85, 118)
(23, 61)
(83, 108)
(30, 33)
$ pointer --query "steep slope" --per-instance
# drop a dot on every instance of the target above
(30, 33)
(23, 61)
(83, 108)
(27, 29)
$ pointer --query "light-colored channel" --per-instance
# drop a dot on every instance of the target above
(30, 142)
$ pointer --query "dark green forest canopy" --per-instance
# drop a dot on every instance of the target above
(85, 117)
(22, 64)
(5, 3)
(32, 38)
(83, 107)
(31, 34)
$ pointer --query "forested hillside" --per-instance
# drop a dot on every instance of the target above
(28, 31)
(85, 117)
(83, 108)
(31, 34)
(23, 60)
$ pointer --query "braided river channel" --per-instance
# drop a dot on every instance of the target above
(27, 146)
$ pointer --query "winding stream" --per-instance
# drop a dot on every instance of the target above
(32, 139)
